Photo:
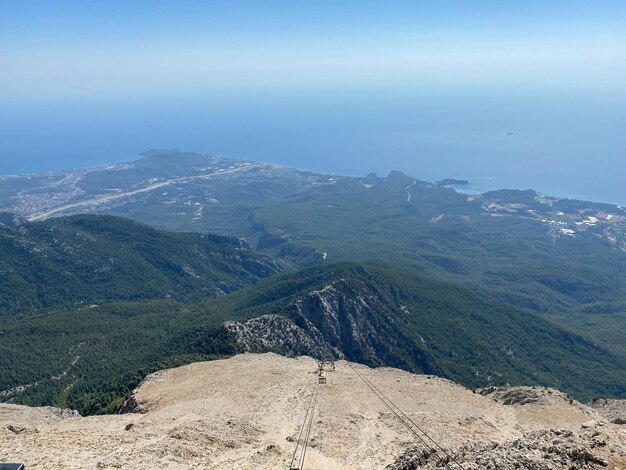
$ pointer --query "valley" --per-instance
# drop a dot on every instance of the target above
(173, 185)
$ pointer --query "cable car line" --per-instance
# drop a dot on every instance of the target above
(408, 422)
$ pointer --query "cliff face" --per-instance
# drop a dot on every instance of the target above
(359, 324)
(343, 320)
(377, 316)
(273, 333)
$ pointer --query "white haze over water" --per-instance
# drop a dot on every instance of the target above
(560, 144)
(506, 94)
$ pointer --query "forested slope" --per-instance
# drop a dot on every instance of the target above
(376, 314)
(81, 260)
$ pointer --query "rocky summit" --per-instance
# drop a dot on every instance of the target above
(247, 412)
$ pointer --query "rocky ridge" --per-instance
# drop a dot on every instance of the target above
(550, 449)
(342, 320)
(274, 333)
(612, 410)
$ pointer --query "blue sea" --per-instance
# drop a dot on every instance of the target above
(559, 144)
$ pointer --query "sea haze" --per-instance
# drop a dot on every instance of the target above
(558, 143)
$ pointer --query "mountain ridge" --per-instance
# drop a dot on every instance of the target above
(91, 259)
(372, 314)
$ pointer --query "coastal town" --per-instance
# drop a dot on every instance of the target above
(198, 184)
(562, 217)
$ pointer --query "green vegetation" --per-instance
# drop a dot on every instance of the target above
(511, 259)
(607, 328)
(105, 351)
(297, 217)
(89, 304)
(83, 260)
(440, 328)
(91, 359)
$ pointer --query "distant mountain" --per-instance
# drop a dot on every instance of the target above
(559, 257)
(533, 251)
(77, 261)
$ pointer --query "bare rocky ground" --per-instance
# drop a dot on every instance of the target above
(245, 413)
(593, 448)
(613, 410)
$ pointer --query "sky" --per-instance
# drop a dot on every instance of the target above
(72, 49)
(518, 93)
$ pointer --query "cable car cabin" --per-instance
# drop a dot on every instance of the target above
(321, 379)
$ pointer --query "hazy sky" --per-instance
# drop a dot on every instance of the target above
(99, 79)
(68, 49)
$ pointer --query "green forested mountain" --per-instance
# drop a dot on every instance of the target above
(509, 252)
(381, 314)
(547, 254)
(483, 289)
(82, 260)
(375, 314)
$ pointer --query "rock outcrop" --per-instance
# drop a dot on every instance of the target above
(343, 320)
(552, 449)
(131, 406)
(612, 410)
(273, 333)
(524, 395)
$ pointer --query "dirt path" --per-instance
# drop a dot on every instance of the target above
(408, 193)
